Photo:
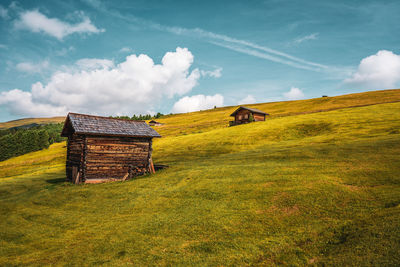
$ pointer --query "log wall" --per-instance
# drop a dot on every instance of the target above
(98, 158)
(242, 116)
(258, 117)
(115, 157)
(75, 157)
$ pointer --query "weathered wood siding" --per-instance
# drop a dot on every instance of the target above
(96, 157)
(258, 117)
(75, 156)
(242, 116)
(115, 157)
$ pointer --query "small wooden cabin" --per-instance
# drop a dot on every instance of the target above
(244, 114)
(102, 149)
(155, 123)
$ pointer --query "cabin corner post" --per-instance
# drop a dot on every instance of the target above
(67, 165)
(84, 163)
(149, 156)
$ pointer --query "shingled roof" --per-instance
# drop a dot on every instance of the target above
(96, 125)
(254, 110)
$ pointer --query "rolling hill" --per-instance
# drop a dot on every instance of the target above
(317, 183)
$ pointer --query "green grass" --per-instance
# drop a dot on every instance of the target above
(317, 188)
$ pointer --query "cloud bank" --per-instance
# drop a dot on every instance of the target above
(379, 71)
(35, 21)
(98, 86)
(197, 102)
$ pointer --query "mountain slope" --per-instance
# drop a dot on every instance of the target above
(315, 188)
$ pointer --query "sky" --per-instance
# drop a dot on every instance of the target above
(143, 57)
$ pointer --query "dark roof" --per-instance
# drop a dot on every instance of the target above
(96, 125)
(254, 110)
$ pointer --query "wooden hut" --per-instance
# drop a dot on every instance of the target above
(101, 149)
(244, 115)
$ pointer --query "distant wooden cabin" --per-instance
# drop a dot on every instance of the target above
(155, 123)
(244, 114)
(101, 148)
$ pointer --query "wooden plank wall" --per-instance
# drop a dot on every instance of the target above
(242, 113)
(258, 117)
(114, 157)
(75, 156)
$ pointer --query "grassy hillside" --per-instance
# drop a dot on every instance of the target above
(180, 124)
(21, 122)
(313, 188)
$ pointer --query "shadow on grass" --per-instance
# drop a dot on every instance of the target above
(56, 180)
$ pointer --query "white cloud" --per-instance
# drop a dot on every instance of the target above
(125, 50)
(212, 73)
(136, 85)
(294, 94)
(313, 36)
(94, 63)
(379, 71)
(197, 102)
(30, 67)
(37, 22)
(23, 103)
(2, 46)
(249, 99)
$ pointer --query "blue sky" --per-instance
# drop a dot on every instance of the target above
(84, 56)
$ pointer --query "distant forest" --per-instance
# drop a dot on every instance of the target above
(21, 140)
(139, 117)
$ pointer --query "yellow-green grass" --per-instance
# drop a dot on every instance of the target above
(195, 122)
(44, 161)
(20, 122)
(318, 188)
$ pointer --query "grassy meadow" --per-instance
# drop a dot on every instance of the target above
(318, 183)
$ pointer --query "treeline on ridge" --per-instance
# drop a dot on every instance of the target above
(18, 141)
(139, 117)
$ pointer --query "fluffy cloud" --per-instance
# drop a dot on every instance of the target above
(30, 67)
(133, 86)
(249, 99)
(125, 50)
(94, 63)
(379, 71)
(212, 73)
(294, 94)
(197, 102)
(37, 22)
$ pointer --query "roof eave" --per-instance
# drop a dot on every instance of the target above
(119, 135)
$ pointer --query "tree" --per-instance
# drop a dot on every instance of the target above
(43, 139)
(251, 117)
